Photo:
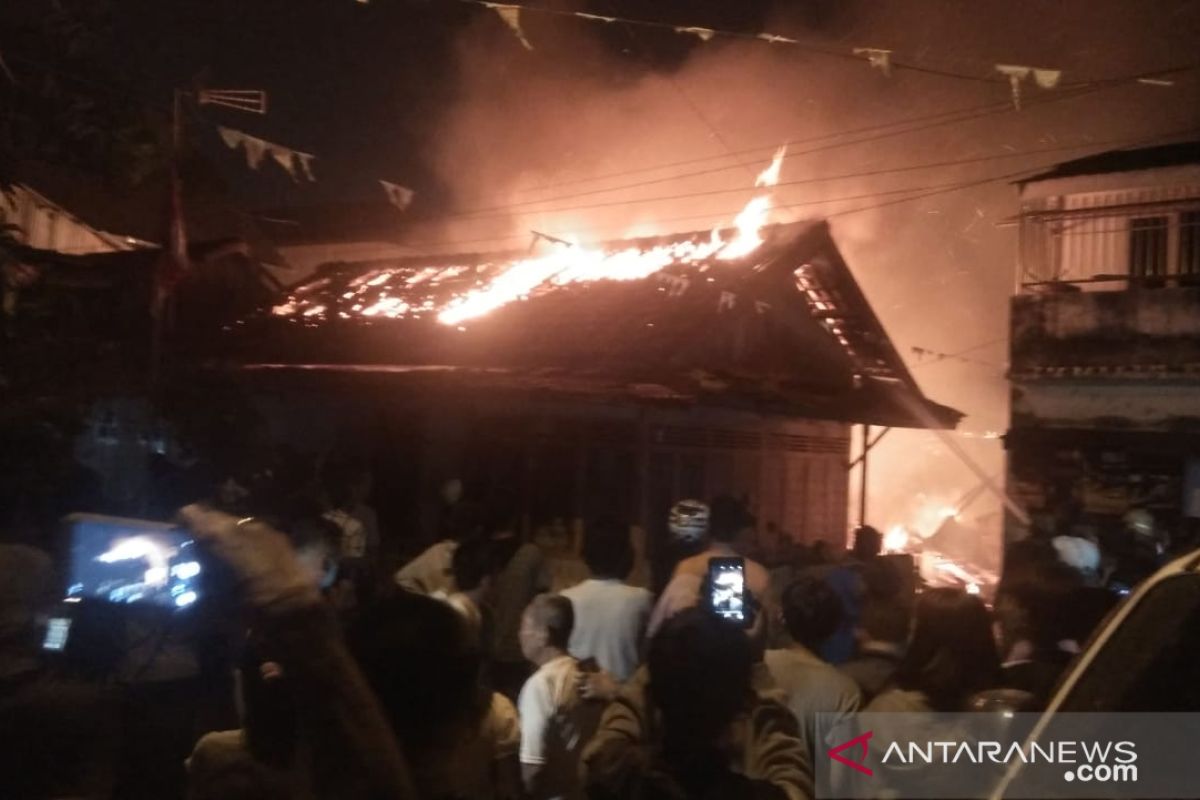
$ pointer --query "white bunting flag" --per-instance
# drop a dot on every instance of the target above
(306, 160)
(231, 138)
(877, 57)
(1046, 78)
(256, 150)
(512, 18)
(774, 39)
(1017, 73)
(399, 196)
(284, 158)
(703, 34)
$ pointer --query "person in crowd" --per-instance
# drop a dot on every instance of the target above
(882, 630)
(474, 569)
(555, 720)
(255, 759)
(811, 613)
(727, 519)
(347, 483)
(846, 579)
(951, 655)
(689, 724)
(425, 668)
(60, 735)
(432, 572)
(610, 615)
(357, 754)
(687, 524)
(1034, 629)
(523, 575)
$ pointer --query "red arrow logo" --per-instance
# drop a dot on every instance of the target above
(861, 742)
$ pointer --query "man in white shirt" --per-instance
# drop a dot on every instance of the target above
(556, 722)
(610, 615)
(812, 612)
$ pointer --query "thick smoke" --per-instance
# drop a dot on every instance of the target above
(938, 271)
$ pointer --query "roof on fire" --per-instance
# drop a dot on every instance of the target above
(784, 331)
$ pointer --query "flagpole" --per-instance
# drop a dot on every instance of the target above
(158, 288)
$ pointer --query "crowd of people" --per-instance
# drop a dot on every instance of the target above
(463, 674)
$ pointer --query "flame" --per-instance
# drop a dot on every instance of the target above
(566, 263)
(895, 540)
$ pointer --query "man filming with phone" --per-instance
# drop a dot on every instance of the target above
(726, 521)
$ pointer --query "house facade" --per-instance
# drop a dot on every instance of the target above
(620, 397)
(1105, 344)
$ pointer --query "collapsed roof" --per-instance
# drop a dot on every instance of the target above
(784, 330)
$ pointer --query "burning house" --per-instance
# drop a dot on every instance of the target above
(585, 380)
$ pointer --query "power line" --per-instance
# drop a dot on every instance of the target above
(760, 37)
(970, 113)
(799, 181)
(921, 192)
(714, 170)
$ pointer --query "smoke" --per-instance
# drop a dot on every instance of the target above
(528, 126)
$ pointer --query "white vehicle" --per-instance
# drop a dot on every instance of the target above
(1144, 658)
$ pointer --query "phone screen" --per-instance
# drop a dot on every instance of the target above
(57, 630)
(132, 561)
(727, 588)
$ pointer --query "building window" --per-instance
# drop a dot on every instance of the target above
(1148, 246)
(1189, 243)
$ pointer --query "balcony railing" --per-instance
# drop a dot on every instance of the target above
(1111, 240)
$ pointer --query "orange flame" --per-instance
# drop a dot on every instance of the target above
(564, 264)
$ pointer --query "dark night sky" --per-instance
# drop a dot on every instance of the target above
(439, 95)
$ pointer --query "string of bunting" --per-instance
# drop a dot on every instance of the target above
(297, 163)
(876, 57)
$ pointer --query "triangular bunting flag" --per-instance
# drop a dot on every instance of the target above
(1047, 78)
(703, 34)
(512, 18)
(284, 158)
(306, 160)
(256, 150)
(231, 138)
(877, 57)
(399, 196)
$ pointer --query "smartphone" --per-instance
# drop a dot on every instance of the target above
(727, 589)
(132, 561)
(57, 631)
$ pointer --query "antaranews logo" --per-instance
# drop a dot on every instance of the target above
(1086, 761)
(860, 742)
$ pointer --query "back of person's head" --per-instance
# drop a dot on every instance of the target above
(27, 590)
(553, 614)
(887, 602)
(952, 653)
(1034, 604)
(700, 669)
(607, 548)
(346, 479)
(728, 517)
(1088, 605)
(812, 611)
(868, 543)
(418, 660)
(474, 561)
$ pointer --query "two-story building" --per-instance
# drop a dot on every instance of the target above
(1105, 345)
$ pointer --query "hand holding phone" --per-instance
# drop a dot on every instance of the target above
(727, 590)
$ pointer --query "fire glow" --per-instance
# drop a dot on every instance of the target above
(566, 263)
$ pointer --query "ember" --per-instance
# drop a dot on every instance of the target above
(566, 263)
